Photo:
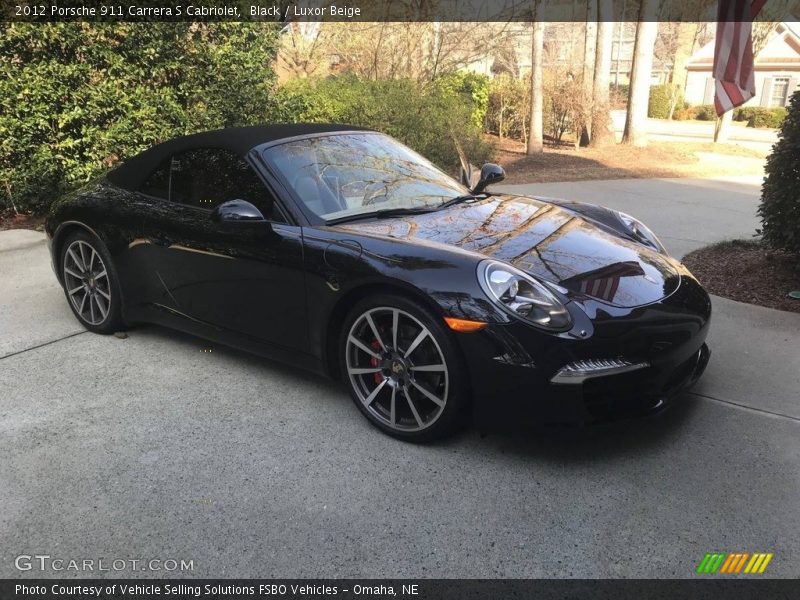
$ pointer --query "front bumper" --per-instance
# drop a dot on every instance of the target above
(629, 395)
(513, 367)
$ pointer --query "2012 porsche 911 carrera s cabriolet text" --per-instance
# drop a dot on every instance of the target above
(340, 250)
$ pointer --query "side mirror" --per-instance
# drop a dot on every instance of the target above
(490, 174)
(237, 211)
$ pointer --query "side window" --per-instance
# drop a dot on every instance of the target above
(206, 177)
(158, 183)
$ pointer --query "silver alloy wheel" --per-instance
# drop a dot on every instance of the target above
(397, 369)
(86, 281)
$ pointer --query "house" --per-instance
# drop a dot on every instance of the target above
(563, 49)
(776, 70)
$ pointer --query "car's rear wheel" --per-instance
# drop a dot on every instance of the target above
(403, 370)
(91, 284)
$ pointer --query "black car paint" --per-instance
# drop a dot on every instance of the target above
(547, 241)
(282, 290)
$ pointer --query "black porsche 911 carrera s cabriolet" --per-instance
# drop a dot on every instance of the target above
(340, 250)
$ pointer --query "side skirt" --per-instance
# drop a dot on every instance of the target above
(172, 319)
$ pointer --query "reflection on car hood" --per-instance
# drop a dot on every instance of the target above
(544, 240)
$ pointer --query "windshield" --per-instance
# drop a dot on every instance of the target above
(355, 174)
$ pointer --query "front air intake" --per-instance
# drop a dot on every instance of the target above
(588, 368)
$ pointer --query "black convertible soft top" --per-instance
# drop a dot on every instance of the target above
(132, 173)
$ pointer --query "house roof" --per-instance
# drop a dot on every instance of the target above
(773, 55)
(793, 27)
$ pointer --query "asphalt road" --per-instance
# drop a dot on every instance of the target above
(700, 131)
(150, 448)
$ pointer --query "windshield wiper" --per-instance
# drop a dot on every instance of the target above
(383, 213)
(458, 200)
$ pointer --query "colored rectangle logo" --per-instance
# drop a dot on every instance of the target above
(734, 563)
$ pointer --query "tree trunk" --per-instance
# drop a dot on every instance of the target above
(641, 71)
(589, 41)
(536, 137)
(601, 127)
(501, 115)
(673, 101)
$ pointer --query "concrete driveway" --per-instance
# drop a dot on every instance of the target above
(686, 214)
(149, 448)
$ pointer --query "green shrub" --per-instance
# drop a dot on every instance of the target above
(664, 99)
(424, 117)
(470, 88)
(706, 112)
(780, 194)
(766, 117)
(758, 116)
(686, 113)
(618, 95)
(509, 105)
(564, 108)
(622, 89)
(77, 97)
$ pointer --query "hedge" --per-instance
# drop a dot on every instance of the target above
(706, 112)
(77, 97)
(665, 99)
(757, 116)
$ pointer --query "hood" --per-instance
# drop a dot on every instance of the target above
(544, 240)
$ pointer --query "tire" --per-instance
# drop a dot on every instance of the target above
(91, 283)
(429, 403)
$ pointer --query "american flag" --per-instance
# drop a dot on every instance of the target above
(603, 283)
(733, 53)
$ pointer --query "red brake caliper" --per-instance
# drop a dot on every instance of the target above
(376, 345)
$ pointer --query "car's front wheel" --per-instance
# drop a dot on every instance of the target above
(91, 284)
(403, 370)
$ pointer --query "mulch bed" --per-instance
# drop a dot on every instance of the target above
(564, 162)
(10, 220)
(748, 271)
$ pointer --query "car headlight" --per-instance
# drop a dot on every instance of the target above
(523, 296)
(640, 231)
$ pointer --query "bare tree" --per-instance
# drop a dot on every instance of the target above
(635, 132)
(601, 127)
(678, 49)
(507, 61)
(564, 102)
(536, 137)
(420, 51)
(305, 50)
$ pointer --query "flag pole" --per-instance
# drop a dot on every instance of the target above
(722, 128)
(733, 60)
